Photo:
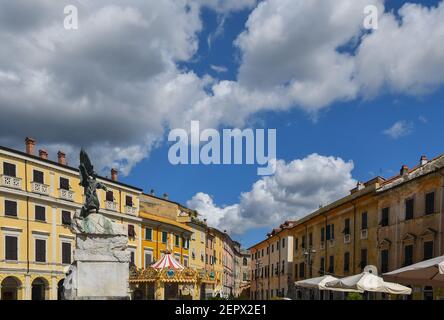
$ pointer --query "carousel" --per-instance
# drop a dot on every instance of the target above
(167, 279)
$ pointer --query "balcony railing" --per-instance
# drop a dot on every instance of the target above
(364, 234)
(40, 188)
(11, 182)
(67, 194)
(130, 210)
(111, 205)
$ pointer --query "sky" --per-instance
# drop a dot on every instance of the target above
(347, 103)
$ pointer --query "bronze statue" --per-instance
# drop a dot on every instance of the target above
(90, 185)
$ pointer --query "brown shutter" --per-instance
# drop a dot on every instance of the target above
(11, 248)
(40, 250)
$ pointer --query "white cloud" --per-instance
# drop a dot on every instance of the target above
(290, 194)
(219, 69)
(399, 129)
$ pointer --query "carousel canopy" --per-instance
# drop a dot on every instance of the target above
(168, 262)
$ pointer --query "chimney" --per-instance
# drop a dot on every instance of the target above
(152, 192)
(423, 160)
(404, 170)
(360, 186)
(165, 196)
(61, 157)
(43, 154)
(29, 144)
(114, 174)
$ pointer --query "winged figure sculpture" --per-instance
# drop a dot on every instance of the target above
(90, 185)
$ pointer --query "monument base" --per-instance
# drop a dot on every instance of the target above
(100, 270)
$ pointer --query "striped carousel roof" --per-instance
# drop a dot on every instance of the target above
(168, 262)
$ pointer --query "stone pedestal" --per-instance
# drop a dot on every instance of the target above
(100, 270)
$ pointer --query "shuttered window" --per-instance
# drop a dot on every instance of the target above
(301, 270)
(66, 218)
(38, 176)
(430, 203)
(148, 234)
(364, 224)
(9, 169)
(11, 252)
(40, 213)
(164, 237)
(331, 264)
(428, 250)
(10, 208)
(131, 231)
(64, 183)
(322, 266)
(346, 261)
(322, 234)
(384, 261)
(409, 209)
(40, 250)
(347, 226)
(129, 201)
(363, 258)
(66, 252)
(408, 255)
(385, 217)
(110, 196)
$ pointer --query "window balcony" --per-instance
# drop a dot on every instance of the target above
(40, 188)
(66, 194)
(111, 205)
(364, 233)
(130, 210)
(11, 182)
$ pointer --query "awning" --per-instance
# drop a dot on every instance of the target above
(425, 273)
(319, 283)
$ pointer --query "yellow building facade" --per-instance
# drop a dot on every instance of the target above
(38, 198)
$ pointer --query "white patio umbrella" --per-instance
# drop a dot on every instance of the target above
(319, 283)
(426, 273)
(368, 281)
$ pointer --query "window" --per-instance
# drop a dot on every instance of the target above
(244, 261)
(385, 217)
(37, 176)
(148, 234)
(428, 250)
(283, 266)
(244, 277)
(186, 243)
(40, 213)
(276, 271)
(40, 250)
(268, 250)
(129, 201)
(176, 240)
(66, 252)
(363, 258)
(66, 218)
(330, 232)
(148, 258)
(132, 258)
(11, 252)
(408, 255)
(296, 270)
(430, 203)
(277, 245)
(364, 221)
(301, 270)
(110, 196)
(185, 261)
(296, 243)
(131, 231)
(9, 169)
(427, 293)
(272, 248)
(322, 266)
(64, 183)
(322, 234)
(283, 244)
(10, 208)
(347, 226)
(346, 262)
(384, 261)
(310, 239)
(331, 264)
(303, 242)
(262, 252)
(164, 237)
(409, 209)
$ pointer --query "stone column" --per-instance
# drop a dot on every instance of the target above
(159, 290)
(27, 287)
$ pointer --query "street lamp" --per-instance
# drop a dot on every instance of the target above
(308, 254)
(258, 265)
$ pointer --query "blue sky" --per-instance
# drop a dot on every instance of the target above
(351, 130)
(347, 104)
